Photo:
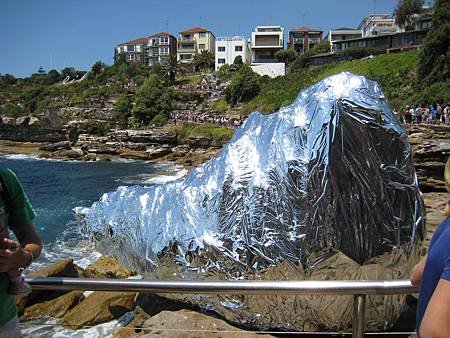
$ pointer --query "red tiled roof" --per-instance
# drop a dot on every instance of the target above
(160, 34)
(195, 30)
(134, 42)
(306, 29)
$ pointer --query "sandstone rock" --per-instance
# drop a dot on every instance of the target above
(70, 154)
(154, 153)
(153, 136)
(185, 323)
(56, 308)
(199, 141)
(135, 326)
(106, 267)
(99, 148)
(90, 157)
(64, 268)
(99, 307)
(55, 146)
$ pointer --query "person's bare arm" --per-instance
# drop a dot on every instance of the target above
(417, 272)
(17, 256)
(436, 320)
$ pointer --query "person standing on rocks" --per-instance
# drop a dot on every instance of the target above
(16, 214)
(432, 274)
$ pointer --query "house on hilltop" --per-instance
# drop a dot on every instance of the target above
(193, 41)
(133, 51)
(228, 48)
(378, 24)
(160, 47)
(304, 38)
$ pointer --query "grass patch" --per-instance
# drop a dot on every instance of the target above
(394, 72)
(218, 135)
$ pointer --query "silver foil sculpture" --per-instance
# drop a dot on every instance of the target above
(324, 188)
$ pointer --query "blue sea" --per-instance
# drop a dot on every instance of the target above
(55, 187)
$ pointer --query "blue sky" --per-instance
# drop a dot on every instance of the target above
(76, 33)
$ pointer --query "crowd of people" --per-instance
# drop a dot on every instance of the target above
(422, 114)
(188, 116)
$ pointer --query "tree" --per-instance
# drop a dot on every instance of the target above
(434, 56)
(203, 61)
(152, 99)
(405, 11)
(172, 68)
(122, 110)
(68, 72)
(238, 60)
(244, 86)
(7, 79)
(286, 56)
(52, 77)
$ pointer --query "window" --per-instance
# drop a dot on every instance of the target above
(238, 48)
(130, 48)
(221, 61)
(164, 51)
(221, 49)
(201, 46)
(120, 49)
(164, 40)
(186, 56)
(202, 35)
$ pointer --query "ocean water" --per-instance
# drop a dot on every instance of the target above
(54, 188)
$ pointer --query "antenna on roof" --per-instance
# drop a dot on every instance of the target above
(303, 19)
(201, 19)
(167, 25)
(374, 6)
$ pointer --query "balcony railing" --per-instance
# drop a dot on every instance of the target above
(358, 289)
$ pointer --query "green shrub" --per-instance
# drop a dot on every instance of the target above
(98, 128)
(153, 98)
(244, 86)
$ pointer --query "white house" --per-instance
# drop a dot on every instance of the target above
(341, 34)
(266, 41)
(378, 24)
(227, 48)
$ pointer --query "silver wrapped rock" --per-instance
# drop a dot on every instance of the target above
(324, 188)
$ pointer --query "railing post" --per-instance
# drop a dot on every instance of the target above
(359, 316)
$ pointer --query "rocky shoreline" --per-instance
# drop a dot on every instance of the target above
(158, 314)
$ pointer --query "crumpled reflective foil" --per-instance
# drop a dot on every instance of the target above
(323, 189)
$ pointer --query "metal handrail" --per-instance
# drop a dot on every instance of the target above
(359, 289)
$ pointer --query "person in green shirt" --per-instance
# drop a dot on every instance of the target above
(17, 214)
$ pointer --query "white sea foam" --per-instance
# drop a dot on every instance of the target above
(48, 327)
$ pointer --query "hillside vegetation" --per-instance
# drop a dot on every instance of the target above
(396, 73)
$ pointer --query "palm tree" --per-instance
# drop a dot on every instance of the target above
(171, 68)
(203, 61)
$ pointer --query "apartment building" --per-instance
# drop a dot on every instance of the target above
(342, 34)
(133, 51)
(304, 38)
(378, 24)
(160, 47)
(228, 48)
(194, 40)
(265, 42)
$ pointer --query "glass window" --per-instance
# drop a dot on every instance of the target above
(130, 48)
(202, 35)
(222, 61)
(164, 51)
(164, 40)
(201, 46)
(238, 48)
(221, 49)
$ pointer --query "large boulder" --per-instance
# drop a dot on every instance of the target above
(186, 324)
(56, 308)
(64, 268)
(106, 267)
(99, 307)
